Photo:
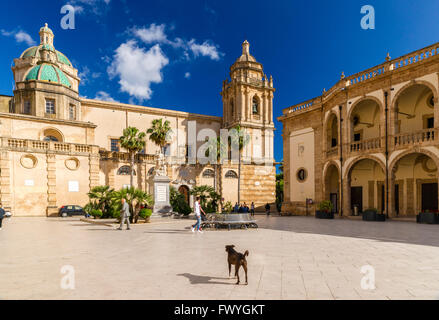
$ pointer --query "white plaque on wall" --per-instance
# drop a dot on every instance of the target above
(161, 194)
(29, 183)
(73, 186)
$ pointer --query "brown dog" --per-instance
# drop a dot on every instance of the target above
(238, 260)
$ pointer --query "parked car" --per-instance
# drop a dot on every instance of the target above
(71, 210)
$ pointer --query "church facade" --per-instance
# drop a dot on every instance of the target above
(56, 145)
(370, 142)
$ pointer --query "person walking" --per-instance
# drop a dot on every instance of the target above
(198, 211)
(125, 214)
(2, 216)
(252, 209)
(267, 209)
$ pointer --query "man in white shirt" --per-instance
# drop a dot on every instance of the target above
(198, 210)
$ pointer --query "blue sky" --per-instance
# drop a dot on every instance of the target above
(175, 54)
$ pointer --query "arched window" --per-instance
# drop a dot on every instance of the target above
(231, 175)
(151, 171)
(51, 138)
(208, 173)
(255, 105)
(52, 134)
(125, 171)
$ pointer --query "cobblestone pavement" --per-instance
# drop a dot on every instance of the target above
(290, 258)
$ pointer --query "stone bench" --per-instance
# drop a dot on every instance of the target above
(241, 220)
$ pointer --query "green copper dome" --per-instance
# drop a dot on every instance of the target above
(33, 73)
(63, 59)
(31, 52)
(49, 73)
(35, 52)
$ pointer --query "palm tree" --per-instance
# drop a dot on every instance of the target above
(240, 139)
(159, 133)
(216, 145)
(135, 199)
(102, 196)
(204, 192)
(142, 199)
(133, 141)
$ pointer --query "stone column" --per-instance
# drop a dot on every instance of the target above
(5, 181)
(270, 108)
(94, 167)
(243, 109)
(346, 197)
(391, 195)
(264, 107)
(52, 209)
(410, 197)
(143, 175)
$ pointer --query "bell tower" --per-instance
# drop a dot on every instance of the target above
(248, 102)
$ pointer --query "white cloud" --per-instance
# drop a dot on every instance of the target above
(205, 49)
(155, 33)
(187, 75)
(104, 96)
(98, 7)
(20, 36)
(137, 68)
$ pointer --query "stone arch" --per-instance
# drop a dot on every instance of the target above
(392, 164)
(328, 164)
(125, 171)
(328, 118)
(409, 202)
(48, 132)
(395, 118)
(355, 105)
(352, 164)
(231, 174)
(329, 192)
(411, 84)
(365, 98)
(256, 105)
(208, 173)
(185, 191)
(369, 197)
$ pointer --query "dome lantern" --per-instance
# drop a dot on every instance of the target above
(46, 36)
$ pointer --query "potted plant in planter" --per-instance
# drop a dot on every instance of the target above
(146, 214)
(370, 214)
(427, 217)
(325, 210)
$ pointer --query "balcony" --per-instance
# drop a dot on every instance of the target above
(26, 145)
(424, 137)
(369, 145)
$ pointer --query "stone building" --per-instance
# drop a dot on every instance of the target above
(56, 145)
(371, 141)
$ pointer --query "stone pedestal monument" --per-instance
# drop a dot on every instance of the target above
(162, 205)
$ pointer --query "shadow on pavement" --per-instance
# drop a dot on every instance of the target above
(194, 279)
(389, 231)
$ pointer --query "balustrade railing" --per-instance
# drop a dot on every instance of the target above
(414, 57)
(365, 145)
(38, 146)
(422, 136)
(418, 56)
